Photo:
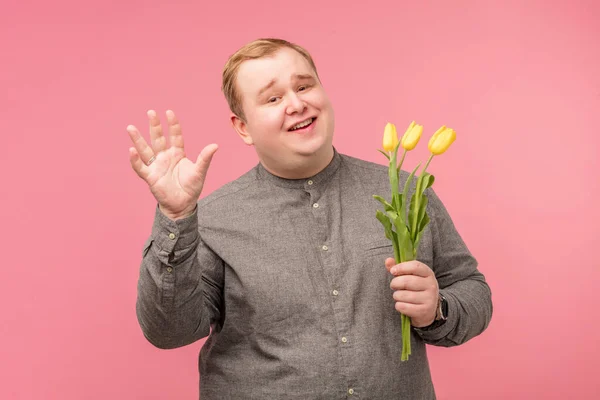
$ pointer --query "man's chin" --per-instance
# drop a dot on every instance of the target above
(309, 151)
(316, 146)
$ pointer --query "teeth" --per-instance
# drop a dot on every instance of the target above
(302, 124)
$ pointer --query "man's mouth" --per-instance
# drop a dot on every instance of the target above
(302, 125)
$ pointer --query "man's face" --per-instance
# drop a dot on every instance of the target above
(289, 118)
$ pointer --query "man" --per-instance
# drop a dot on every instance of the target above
(286, 269)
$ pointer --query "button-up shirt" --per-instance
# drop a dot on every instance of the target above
(286, 277)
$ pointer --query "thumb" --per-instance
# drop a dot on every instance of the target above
(389, 263)
(204, 158)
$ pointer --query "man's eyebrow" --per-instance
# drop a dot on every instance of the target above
(302, 77)
(267, 87)
(296, 77)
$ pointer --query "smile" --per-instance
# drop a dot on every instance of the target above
(302, 125)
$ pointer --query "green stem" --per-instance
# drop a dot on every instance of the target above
(393, 174)
(396, 247)
(418, 195)
(401, 161)
(405, 329)
(427, 165)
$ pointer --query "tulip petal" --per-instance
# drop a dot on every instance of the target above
(412, 136)
(441, 140)
(390, 137)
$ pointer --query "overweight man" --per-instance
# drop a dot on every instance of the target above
(286, 269)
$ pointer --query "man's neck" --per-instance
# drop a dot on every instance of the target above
(310, 167)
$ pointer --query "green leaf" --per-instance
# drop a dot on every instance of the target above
(424, 223)
(389, 233)
(396, 249)
(407, 186)
(404, 240)
(411, 209)
(394, 201)
(384, 153)
(388, 206)
(392, 214)
(400, 207)
(419, 217)
(422, 211)
(409, 180)
(387, 224)
(397, 202)
(430, 181)
(424, 181)
(424, 218)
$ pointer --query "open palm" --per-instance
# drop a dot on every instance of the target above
(175, 181)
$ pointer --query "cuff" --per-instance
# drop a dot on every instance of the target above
(170, 236)
(432, 334)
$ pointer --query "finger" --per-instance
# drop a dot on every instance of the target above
(175, 136)
(389, 263)
(158, 141)
(204, 159)
(136, 163)
(411, 268)
(142, 148)
(409, 296)
(409, 282)
(410, 310)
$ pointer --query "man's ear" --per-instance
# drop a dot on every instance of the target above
(240, 127)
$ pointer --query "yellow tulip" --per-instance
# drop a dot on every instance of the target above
(412, 136)
(390, 137)
(441, 140)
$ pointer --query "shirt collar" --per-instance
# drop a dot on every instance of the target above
(314, 181)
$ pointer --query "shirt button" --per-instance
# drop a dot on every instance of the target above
(344, 339)
(169, 269)
(325, 248)
(335, 292)
(316, 205)
(171, 235)
(310, 182)
(350, 391)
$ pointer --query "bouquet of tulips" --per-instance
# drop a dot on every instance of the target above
(403, 221)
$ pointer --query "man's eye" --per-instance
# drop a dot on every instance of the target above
(301, 88)
(272, 100)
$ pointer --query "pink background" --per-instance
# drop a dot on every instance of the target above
(518, 81)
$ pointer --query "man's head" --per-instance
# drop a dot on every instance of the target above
(271, 86)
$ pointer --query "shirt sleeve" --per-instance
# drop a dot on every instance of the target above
(180, 283)
(463, 285)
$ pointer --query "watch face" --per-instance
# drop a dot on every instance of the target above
(444, 308)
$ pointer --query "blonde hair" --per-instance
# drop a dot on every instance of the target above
(256, 49)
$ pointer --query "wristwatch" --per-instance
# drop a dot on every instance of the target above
(441, 314)
(442, 310)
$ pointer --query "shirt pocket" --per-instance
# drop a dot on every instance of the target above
(380, 249)
(375, 252)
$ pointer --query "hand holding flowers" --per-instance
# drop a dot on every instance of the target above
(405, 222)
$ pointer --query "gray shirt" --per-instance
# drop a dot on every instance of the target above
(287, 279)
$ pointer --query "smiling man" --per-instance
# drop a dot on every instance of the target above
(286, 269)
(286, 113)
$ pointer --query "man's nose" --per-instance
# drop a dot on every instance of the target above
(295, 104)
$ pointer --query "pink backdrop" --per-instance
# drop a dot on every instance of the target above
(518, 81)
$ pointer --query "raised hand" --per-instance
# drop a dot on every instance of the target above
(175, 181)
